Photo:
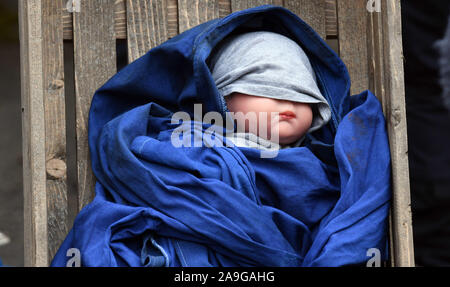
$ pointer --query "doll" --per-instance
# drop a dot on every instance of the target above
(158, 204)
(269, 75)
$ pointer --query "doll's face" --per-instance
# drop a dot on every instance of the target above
(292, 121)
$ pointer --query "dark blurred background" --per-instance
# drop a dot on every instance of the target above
(424, 24)
(11, 199)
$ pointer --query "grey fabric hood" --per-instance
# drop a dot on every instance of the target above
(268, 64)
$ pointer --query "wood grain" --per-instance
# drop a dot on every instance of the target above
(376, 58)
(237, 5)
(148, 25)
(396, 121)
(172, 18)
(225, 8)
(95, 63)
(194, 12)
(55, 123)
(120, 19)
(331, 19)
(120, 25)
(33, 137)
(312, 12)
(352, 30)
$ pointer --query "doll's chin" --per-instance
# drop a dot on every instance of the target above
(287, 140)
(284, 133)
(288, 135)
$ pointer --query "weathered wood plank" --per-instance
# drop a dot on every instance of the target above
(67, 25)
(312, 12)
(172, 18)
(33, 128)
(120, 24)
(352, 25)
(148, 25)
(396, 121)
(377, 86)
(237, 5)
(95, 63)
(224, 8)
(331, 18)
(55, 123)
(194, 12)
(120, 19)
(375, 57)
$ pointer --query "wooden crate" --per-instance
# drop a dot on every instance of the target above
(369, 43)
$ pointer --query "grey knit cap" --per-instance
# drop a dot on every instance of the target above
(268, 64)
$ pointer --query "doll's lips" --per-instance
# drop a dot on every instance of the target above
(287, 115)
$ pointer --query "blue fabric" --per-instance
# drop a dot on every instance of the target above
(153, 254)
(323, 204)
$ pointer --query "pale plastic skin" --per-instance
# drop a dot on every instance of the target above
(293, 121)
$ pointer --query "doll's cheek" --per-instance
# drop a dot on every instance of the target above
(289, 132)
(246, 123)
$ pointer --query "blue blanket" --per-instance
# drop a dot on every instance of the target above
(323, 204)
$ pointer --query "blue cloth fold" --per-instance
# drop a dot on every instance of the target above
(153, 254)
(321, 204)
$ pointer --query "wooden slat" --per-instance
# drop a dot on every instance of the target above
(237, 5)
(321, 15)
(224, 8)
(120, 16)
(120, 19)
(353, 25)
(331, 18)
(95, 63)
(148, 25)
(396, 121)
(120, 24)
(33, 137)
(172, 18)
(67, 24)
(312, 12)
(376, 85)
(55, 123)
(194, 12)
(375, 57)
